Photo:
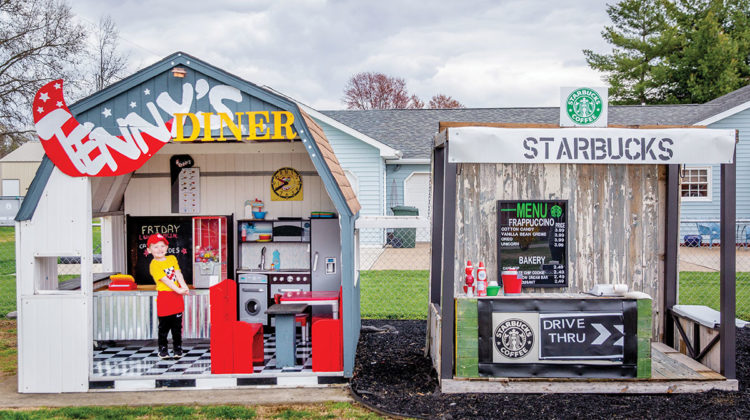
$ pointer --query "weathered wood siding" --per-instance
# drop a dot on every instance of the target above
(616, 217)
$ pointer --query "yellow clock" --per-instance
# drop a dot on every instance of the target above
(286, 185)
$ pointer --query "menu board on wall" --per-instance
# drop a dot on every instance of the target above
(179, 232)
(532, 238)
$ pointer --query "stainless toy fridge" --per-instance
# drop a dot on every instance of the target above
(325, 254)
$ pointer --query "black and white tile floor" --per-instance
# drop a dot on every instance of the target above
(144, 361)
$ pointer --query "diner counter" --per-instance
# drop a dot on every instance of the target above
(131, 314)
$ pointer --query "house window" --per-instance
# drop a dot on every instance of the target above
(11, 187)
(696, 184)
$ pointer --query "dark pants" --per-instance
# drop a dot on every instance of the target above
(170, 323)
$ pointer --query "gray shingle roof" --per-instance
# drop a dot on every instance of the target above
(411, 130)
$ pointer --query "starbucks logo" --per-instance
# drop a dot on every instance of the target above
(514, 338)
(584, 106)
(556, 211)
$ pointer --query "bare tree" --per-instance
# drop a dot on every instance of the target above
(441, 101)
(378, 91)
(107, 62)
(39, 41)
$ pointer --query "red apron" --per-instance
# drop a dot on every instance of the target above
(169, 303)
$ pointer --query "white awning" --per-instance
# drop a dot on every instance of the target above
(591, 145)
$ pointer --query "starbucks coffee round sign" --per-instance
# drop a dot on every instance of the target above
(583, 107)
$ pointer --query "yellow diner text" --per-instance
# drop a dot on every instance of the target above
(256, 121)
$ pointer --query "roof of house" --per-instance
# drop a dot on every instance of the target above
(411, 130)
(31, 151)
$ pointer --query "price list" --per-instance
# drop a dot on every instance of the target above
(532, 238)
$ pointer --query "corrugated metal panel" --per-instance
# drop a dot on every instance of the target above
(132, 315)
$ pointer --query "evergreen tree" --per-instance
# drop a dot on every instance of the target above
(640, 38)
(713, 52)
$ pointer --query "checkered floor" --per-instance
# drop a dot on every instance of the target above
(143, 361)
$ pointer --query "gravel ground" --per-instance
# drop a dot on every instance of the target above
(392, 374)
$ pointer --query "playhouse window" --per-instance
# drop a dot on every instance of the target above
(696, 184)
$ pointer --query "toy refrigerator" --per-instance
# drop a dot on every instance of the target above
(210, 254)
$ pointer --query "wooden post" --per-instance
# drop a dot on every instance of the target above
(727, 275)
(671, 241)
(447, 306)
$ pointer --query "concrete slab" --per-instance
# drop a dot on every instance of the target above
(10, 398)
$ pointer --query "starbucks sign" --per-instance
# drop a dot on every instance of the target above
(583, 107)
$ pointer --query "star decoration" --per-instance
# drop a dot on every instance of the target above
(184, 251)
(145, 252)
(40, 110)
(107, 112)
(57, 85)
(59, 104)
(132, 104)
(146, 92)
(44, 96)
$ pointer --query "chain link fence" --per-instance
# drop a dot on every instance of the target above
(698, 265)
(67, 267)
(394, 266)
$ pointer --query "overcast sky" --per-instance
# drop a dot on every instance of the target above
(484, 53)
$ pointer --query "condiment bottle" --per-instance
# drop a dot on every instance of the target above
(481, 280)
(469, 280)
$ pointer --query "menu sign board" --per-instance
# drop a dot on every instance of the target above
(532, 238)
(179, 232)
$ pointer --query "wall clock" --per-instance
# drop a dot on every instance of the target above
(286, 185)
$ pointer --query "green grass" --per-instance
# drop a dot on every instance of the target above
(701, 288)
(309, 411)
(394, 294)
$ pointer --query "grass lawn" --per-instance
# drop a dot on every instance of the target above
(700, 288)
(332, 410)
(394, 294)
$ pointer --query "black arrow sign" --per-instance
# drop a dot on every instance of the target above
(583, 335)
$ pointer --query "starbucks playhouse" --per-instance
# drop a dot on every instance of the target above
(583, 216)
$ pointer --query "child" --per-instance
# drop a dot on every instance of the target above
(170, 287)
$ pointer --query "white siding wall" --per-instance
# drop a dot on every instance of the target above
(691, 210)
(54, 327)
(149, 191)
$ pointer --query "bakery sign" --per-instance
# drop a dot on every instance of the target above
(83, 149)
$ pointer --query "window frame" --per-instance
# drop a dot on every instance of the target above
(709, 182)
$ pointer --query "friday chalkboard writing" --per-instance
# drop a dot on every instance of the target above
(532, 238)
(179, 232)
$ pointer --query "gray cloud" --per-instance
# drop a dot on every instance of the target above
(484, 53)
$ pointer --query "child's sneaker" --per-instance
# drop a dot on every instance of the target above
(163, 354)
(178, 353)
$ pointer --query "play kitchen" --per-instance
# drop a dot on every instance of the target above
(285, 256)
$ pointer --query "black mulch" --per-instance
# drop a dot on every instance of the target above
(392, 374)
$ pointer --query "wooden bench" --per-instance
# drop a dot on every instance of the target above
(697, 333)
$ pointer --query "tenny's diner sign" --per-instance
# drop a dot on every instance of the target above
(86, 150)
(591, 145)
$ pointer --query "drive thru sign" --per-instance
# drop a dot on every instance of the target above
(581, 335)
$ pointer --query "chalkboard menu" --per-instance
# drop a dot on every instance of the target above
(179, 232)
(532, 238)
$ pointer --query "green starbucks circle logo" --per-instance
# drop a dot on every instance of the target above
(584, 106)
(556, 211)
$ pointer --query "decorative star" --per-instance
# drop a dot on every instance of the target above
(184, 251)
(146, 92)
(40, 110)
(59, 104)
(132, 104)
(44, 96)
(57, 86)
(107, 112)
(145, 252)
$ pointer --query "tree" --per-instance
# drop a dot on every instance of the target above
(675, 51)
(378, 91)
(441, 101)
(108, 63)
(39, 41)
(713, 53)
(641, 39)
